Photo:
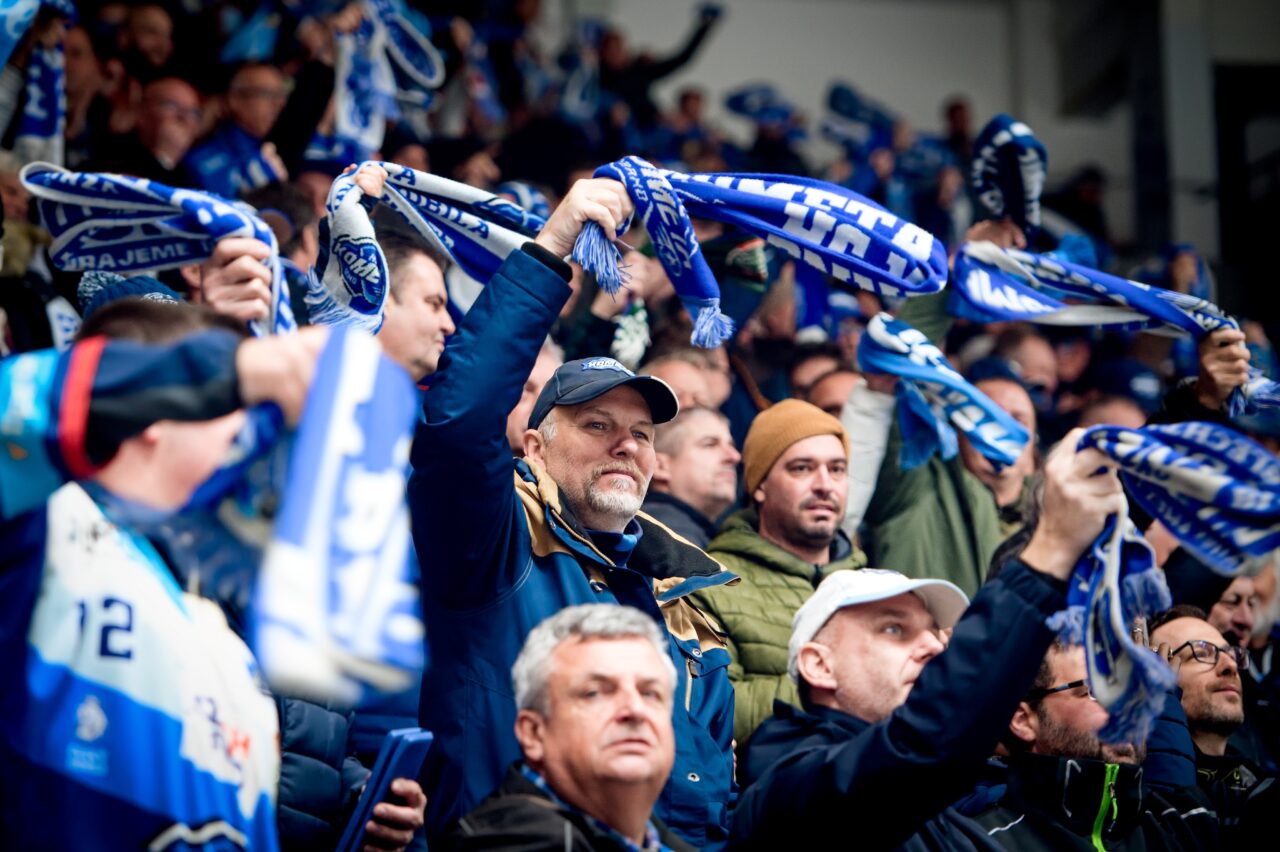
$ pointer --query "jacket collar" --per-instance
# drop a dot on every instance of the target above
(660, 553)
(1085, 796)
(740, 536)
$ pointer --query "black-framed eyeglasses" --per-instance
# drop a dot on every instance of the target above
(1042, 692)
(1204, 651)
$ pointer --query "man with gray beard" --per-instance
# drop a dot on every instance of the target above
(504, 547)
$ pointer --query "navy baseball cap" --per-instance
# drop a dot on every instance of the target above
(585, 379)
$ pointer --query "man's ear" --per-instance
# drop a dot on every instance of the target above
(1025, 724)
(530, 732)
(662, 470)
(813, 664)
(191, 276)
(535, 447)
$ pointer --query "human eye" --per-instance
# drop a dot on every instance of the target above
(893, 628)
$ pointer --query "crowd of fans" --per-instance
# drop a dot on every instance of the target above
(712, 608)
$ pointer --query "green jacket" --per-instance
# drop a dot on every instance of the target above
(938, 520)
(757, 613)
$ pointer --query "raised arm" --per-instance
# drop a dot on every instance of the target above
(935, 744)
(464, 512)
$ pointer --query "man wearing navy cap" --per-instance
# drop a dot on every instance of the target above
(503, 549)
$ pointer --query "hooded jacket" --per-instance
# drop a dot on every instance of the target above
(500, 552)
(1056, 803)
(757, 615)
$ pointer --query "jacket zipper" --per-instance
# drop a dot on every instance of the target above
(688, 693)
(1106, 806)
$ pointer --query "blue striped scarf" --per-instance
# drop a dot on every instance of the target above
(124, 224)
(934, 401)
(826, 226)
(16, 17)
(1219, 493)
(993, 284)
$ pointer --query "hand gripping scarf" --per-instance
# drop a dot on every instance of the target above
(828, 227)
(1219, 493)
(1008, 170)
(16, 16)
(993, 284)
(334, 611)
(476, 228)
(384, 59)
(934, 401)
(125, 224)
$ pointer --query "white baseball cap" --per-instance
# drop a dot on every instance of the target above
(945, 602)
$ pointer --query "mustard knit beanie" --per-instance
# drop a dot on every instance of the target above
(777, 428)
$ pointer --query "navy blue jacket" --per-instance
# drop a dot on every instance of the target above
(829, 773)
(500, 553)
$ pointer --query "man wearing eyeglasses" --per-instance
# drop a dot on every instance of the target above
(893, 728)
(169, 119)
(1068, 789)
(1209, 671)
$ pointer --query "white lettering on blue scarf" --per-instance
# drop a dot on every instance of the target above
(825, 226)
(934, 401)
(335, 615)
(126, 224)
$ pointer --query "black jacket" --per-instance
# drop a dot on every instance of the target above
(519, 816)
(680, 517)
(1245, 798)
(1058, 803)
(893, 780)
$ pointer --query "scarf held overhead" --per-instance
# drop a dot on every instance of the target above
(934, 401)
(126, 224)
(825, 226)
(993, 284)
(1219, 493)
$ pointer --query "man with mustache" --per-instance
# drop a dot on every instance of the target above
(1068, 789)
(502, 549)
(595, 688)
(1209, 674)
(795, 474)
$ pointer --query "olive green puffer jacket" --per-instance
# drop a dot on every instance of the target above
(757, 612)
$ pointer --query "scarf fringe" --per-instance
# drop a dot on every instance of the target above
(597, 254)
(710, 326)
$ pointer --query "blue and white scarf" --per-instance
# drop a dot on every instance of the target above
(476, 228)
(1214, 489)
(386, 58)
(828, 227)
(934, 401)
(126, 224)
(17, 16)
(1008, 170)
(42, 127)
(335, 613)
(993, 284)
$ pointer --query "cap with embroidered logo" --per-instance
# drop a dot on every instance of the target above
(579, 381)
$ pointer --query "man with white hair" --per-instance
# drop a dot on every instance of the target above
(594, 686)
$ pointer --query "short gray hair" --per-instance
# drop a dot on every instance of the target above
(531, 670)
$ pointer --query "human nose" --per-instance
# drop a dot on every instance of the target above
(627, 447)
(731, 454)
(930, 645)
